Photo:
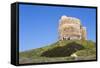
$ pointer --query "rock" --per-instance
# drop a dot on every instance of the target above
(74, 55)
(70, 28)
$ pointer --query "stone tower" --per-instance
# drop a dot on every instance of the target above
(70, 28)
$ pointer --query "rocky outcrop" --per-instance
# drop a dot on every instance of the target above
(70, 28)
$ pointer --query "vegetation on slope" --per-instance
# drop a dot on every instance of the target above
(63, 51)
(60, 51)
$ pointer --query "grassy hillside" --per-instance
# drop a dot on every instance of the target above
(60, 51)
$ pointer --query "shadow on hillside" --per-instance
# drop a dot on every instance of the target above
(63, 51)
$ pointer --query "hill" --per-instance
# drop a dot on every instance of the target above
(66, 50)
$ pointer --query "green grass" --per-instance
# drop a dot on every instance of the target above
(60, 51)
(86, 52)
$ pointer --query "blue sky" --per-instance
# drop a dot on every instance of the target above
(38, 25)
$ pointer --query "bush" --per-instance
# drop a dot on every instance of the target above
(63, 51)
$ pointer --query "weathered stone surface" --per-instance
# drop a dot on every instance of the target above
(70, 28)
